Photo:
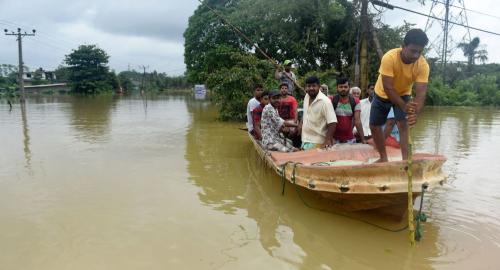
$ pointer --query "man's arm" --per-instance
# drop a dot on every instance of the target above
(329, 140)
(421, 93)
(414, 107)
(295, 106)
(359, 126)
(257, 131)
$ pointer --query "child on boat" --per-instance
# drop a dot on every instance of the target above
(272, 125)
(257, 114)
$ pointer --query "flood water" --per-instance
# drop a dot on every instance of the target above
(123, 183)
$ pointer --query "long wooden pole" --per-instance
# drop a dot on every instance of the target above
(411, 225)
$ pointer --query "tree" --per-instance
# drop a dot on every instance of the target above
(88, 72)
(62, 73)
(472, 52)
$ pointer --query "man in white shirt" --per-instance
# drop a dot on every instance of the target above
(319, 120)
(252, 104)
(365, 112)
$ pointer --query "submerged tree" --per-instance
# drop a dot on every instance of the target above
(88, 70)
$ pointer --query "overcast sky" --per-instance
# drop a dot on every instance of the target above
(149, 32)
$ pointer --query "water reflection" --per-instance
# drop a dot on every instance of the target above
(213, 163)
(26, 136)
(90, 117)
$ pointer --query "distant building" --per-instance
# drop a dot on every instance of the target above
(30, 77)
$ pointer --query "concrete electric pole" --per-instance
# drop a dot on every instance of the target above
(20, 36)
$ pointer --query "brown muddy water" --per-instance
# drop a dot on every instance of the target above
(119, 183)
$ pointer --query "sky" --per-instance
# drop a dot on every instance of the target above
(482, 14)
(150, 32)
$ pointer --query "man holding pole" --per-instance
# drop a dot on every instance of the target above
(287, 76)
(400, 69)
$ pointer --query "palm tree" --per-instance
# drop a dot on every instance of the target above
(472, 53)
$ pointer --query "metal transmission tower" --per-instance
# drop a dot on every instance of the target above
(444, 45)
(20, 36)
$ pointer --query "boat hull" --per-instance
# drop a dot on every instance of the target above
(362, 186)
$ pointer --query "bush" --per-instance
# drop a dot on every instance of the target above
(474, 91)
(233, 79)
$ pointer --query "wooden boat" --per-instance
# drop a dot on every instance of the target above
(346, 176)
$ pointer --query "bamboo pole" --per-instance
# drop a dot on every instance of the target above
(411, 225)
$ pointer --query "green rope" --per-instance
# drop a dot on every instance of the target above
(421, 217)
(283, 177)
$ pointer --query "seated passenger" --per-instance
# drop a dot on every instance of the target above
(252, 104)
(347, 109)
(355, 92)
(324, 89)
(257, 114)
(272, 124)
(288, 104)
(318, 122)
(366, 105)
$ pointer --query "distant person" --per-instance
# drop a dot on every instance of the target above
(319, 120)
(347, 109)
(366, 105)
(355, 92)
(272, 125)
(324, 89)
(257, 114)
(286, 76)
(252, 104)
(288, 104)
(400, 70)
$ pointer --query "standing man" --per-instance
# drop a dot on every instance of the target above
(288, 104)
(366, 106)
(399, 70)
(347, 109)
(286, 76)
(252, 104)
(319, 120)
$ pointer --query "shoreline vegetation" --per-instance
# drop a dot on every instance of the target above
(319, 39)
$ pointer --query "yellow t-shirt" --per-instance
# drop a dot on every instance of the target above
(404, 75)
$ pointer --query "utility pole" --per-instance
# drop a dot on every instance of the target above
(363, 75)
(20, 36)
(445, 38)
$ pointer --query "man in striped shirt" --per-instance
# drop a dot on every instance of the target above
(347, 109)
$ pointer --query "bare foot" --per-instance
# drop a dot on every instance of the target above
(381, 160)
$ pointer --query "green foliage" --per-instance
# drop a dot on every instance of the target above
(154, 81)
(37, 77)
(477, 90)
(232, 81)
(8, 84)
(62, 73)
(88, 72)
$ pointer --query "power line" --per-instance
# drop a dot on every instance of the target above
(471, 10)
(389, 6)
